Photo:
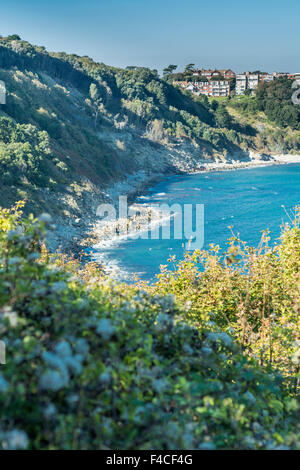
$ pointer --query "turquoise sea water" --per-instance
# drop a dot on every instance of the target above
(250, 200)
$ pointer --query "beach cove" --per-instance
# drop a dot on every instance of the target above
(254, 197)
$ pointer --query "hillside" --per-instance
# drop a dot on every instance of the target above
(208, 355)
(73, 128)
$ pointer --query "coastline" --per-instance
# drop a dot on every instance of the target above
(110, 234)
(232, 164)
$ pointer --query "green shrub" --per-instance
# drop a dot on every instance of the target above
(24, 151)
(253, 294)
(92, 364)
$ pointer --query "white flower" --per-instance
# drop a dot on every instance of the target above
(3, 384)
(296, 357)
(163, 322)
(15, 440)
(53, 269)
(187, 349)
(63, 349)
(172, 430)
(82, 347)
(53, 361)
(61, 363)
(223, 337)
(249, 442)
(206, 351)
(188, 439)
(73, 363)
(14, 260)
(58, 376)
(14, 233)
(160, 385)
(105, 377)
(51, 380)
(33, 256)
(213, 337)
(105, 328)
(249, 397)
(12, 318)
(207, 446)
(50, 411)
(72, 399)
(59, 286)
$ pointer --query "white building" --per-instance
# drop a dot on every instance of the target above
(241, 84)
(220, 87)
(2, 92)
(267, 77)
(253, 81)
(297, 78)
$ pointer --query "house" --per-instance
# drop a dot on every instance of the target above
(294, 77)
(266, 77)
(215, 74)
(220, 87)
(2, 92)
(206, 73)
(190, 86)
(297, 78)
(183, 84)
(281, 74)
(253, 81)
(246, 81)
(211, 83)
(203, 88)
(211, 87)
(241, 84)
(228, 74)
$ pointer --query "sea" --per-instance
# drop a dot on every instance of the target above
(244, 201)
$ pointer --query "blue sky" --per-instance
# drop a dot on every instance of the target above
(255, 34)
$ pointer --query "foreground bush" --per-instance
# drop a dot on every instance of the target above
(252, 294)
(95, 365)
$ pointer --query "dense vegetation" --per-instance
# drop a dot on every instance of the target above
(275, 100)
(24, 153)
(253, 294)
(94, 365)
(205, 358)
(87, 121)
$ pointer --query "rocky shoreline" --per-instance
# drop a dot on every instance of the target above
(87, 233)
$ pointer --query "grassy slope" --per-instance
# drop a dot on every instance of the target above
(270, 137)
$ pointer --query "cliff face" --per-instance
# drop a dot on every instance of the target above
(73, 132)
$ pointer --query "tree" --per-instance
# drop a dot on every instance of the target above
(13, 37)
(189, 68)
(214, 105)
(94, 94)
(223, 118)
(217, 78)
(170, 69)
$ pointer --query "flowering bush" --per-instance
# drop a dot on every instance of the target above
(252, 294)
(92, 364)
